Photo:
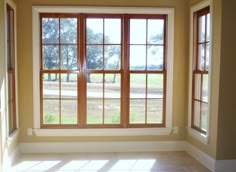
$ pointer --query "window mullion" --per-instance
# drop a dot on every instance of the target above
(81, 89)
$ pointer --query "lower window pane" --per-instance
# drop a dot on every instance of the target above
(137, 85)
(204, 116)
(112, 111)
(197, 114)
(137, 111)
(205, 88)
(51, 112)
(154, 111)
(69, 111)
(94, 111)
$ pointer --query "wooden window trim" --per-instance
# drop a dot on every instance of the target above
(196, 68)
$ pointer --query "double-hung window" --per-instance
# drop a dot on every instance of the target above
(200, 71)
(103, 70)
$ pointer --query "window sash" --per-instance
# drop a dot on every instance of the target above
(124, 72)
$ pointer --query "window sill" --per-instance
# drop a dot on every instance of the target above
(103, 132)
(12, 138)
(199, 136)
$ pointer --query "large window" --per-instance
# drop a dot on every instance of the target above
(11, 72)
(200, 71)
(106, 70)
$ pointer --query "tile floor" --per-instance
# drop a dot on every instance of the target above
(109, 162)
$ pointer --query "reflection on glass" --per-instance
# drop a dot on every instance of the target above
(204, 116)
(207, 56)
(94, 57)
(197, 107)
(94, 31)
(137, 57)
(68, 30)
(155, 57)
(137, 85)
(137, 111)
(154, 111)
(112, 31)
(69, 111)
(201, 57)
(112, 86)
(94, 111)
(155, 86)
(94, 85)
(201, 28)
(197, 86)
(208, 27)
(112, 111)
(155, 31)
(205, 88)
(69, 57)
(50, 30)
(112, 57)
(50, 57)
(51, 85)
(51, 112)
(138, 31)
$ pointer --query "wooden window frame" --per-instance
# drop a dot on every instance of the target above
(124, 71)
(11, 70)
(197, 69)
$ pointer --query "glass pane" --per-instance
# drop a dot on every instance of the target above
(50, 57)
(197, 86)
(205, 88)
(69, 111)
(154, 111)
(137, 111)
(51, 85)
(112, 57)
(201, 56)
(137, 85)
(204, 116)
(138, 31)
(94, 111)
(155, 31)
(137, 57)
(69, 57)
(69, 85)
(95, 86)
(155, 57)
(208, 27)
(50, 30)
(51, 112)
(68, 30)
(197, 114)
(155, 86)
(112, 111)
(112, 86)
(201, 27)
(207, 56)
(94, 57)
(94, 31)
(112, 31)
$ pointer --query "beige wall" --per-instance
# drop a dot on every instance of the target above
(226, 141)
(180, 86)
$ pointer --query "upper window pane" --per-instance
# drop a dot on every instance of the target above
(68, 30)
(50, 57)
(202, 30)
(137, 57)
(112, 31)
(50, 30)
(156, 31)
(94, 31)
(138, 31)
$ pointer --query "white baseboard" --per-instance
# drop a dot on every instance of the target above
(199, 155)
(134, 146)
(225, 165)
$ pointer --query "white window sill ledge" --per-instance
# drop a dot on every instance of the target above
(198, 136)
(103, 132)
(12, 138)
